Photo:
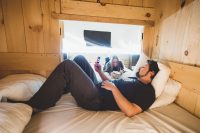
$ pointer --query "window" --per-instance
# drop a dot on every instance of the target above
(115, 38)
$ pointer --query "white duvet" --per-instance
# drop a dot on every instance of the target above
(14, 117)
(67, 117)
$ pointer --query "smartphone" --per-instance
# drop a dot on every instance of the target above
(98, 61)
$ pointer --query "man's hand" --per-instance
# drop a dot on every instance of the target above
(108, 85)
(97, 67)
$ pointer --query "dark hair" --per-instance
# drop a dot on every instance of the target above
(153, 66)
(115, 57)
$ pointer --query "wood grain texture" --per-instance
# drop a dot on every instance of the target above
(14, 25)
(189, 77)
(33, 23)
(101, 19)
(3, 43)
(109, 10)
(20, 61)
(178, 31)
(148, 40)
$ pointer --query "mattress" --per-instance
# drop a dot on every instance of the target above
(67, 117)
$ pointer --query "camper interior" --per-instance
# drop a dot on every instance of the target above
(40, 46)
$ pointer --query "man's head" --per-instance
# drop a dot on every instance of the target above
(147, 72)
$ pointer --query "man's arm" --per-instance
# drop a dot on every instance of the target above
(127, 107)
(97, 68)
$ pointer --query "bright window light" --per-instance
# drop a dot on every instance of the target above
(125, 39)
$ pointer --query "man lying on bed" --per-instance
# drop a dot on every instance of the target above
(77, 77)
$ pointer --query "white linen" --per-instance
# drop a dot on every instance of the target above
(20, 87)
(14, 117)
(168, 95)
(160, 79)
(66, 117)
(141, 62)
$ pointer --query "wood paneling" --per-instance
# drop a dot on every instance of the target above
(20, 61)
(188, 97)
(14, 25)
(33, 23)
(101, 19)
(3, 44)
(29, 37)
(109, 10)
(54, 33)
(178, 32)
(148, 40)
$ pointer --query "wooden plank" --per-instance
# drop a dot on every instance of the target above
(109, 10)
(149, 3)
(54, 32)
(14, 25)
(57, 6)
(121, 2)
(33, 25)
(3, 43)
(148, 40)
(20, 61)
(101, 19)
(138, 3)
(188, 103)
(190, 91)
(197, 109)
(187, 75)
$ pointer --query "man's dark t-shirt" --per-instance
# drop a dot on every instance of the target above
(135, 91)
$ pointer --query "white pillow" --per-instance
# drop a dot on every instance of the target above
(14, 117)
(168, 95)
(20, 87)
(161, 78)
(141, 62)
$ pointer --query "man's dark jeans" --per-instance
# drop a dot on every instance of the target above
(75, 76)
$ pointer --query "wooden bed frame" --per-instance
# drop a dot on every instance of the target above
(189, 96)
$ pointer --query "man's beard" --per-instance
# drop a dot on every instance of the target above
(140, 76)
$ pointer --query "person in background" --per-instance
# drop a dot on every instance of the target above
(107, 60)
(114, 65)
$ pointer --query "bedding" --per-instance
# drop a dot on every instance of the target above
(66, 116)
(161, 77)
(14, 117)
(20, 87)
(168, 95)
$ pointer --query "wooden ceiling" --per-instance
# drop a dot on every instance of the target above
(137, 3)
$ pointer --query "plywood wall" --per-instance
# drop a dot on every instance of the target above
(27, 31)
(177, 32)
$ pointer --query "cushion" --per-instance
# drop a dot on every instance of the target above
(142, 61)
(169, 94)
(20, 87)
(14, 117)
(161, 77)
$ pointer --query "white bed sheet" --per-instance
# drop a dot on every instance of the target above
(67, 117)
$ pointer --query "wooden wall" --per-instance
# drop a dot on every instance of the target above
(177, 39)
(177, 32)
(29, 35)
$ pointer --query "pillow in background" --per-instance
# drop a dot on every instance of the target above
(141, 62)
(161, 78)
(20, 87)
(14, 117)
(169, 94)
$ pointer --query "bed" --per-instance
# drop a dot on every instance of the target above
(66, 116)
